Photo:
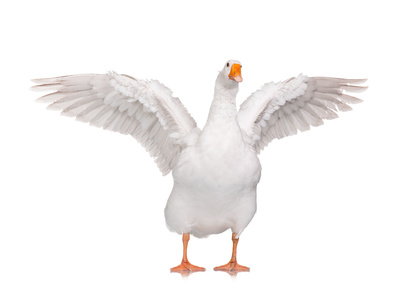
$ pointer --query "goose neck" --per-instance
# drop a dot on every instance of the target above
(224, 103)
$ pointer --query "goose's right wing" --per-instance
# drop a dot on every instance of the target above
(144, 109)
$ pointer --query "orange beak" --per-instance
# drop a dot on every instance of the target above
(235, 73)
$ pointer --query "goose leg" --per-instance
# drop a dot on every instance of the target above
(233, 266)
(185, 265)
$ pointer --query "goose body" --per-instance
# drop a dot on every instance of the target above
(216, 169)
(215, 179)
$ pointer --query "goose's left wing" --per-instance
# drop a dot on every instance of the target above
(282, 109)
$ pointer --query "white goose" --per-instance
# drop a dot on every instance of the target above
(215, 170)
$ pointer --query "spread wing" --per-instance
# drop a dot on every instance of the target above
(144, 109)
(282, 109)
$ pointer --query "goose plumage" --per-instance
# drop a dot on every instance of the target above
(215, 170)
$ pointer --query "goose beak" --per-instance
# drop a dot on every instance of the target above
(235, 73)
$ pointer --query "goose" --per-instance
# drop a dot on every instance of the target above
(215, 169)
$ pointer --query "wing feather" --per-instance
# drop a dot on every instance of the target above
(143, 109)
(282, 109)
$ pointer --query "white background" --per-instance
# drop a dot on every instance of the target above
(81, 209)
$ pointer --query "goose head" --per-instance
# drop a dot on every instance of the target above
(230, 75)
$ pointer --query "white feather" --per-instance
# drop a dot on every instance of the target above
(122, 104)
(298, 102)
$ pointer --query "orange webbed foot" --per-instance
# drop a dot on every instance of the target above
(186, 267)
(232, 267)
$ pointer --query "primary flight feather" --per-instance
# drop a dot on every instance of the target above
(216, 169)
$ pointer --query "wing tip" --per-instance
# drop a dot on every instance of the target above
(341, 80)
(353, 88)
(47, 80)
(46, 87)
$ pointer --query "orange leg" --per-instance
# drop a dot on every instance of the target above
(185, 265)
(233, 266)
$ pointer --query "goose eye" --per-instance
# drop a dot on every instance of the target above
(227, 64)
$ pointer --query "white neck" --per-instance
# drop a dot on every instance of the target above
(224, 104)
